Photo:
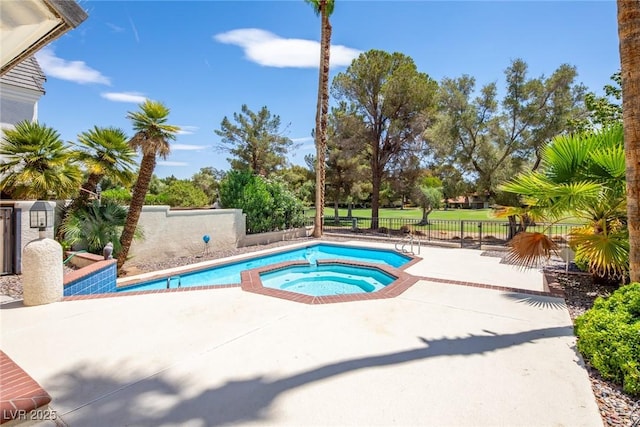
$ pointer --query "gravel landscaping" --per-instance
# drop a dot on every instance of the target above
(616, 407)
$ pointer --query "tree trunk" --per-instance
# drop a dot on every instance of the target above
(513, 227)
(81, 200)
(350, 208)
(629, 34)
(336, 212)
(322, 111)
(375, 198)
(147, 166)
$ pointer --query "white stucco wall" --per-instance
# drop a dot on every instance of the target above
(172, 233)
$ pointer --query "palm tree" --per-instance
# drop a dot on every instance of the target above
(104, 152)
(323, 8)
(582, 176)
(37, 163)
(151, 139)
(629, 34)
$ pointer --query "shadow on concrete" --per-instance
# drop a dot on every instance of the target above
(122, 403)
(538, 301)
(12, 304)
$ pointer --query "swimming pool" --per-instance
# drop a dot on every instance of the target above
(229, 274)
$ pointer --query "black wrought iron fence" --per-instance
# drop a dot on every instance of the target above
(465, 232)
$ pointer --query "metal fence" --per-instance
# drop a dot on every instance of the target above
(466, 233)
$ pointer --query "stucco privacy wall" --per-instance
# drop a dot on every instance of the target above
(172, 233)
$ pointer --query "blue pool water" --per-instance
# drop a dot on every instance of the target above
(324, 280)
(228, 274)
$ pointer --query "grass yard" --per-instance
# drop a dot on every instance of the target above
(414, 213)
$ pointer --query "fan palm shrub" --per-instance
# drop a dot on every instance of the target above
(581, 175)
(37, 164)
(95, 224)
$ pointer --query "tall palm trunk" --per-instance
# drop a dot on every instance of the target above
(322, 112)
(147, 166)
(629, 33)
(82, 199)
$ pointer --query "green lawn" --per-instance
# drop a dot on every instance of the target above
(413, 213)
(416, 213)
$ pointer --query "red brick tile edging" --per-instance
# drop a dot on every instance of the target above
(20, 393)
(251, 282)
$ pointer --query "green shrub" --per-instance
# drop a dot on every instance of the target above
(185, 194)
(269, 206)
(121, 196)
(609, 337)
(156, 199)
(582, 262)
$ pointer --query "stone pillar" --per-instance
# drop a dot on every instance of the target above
(42, 273)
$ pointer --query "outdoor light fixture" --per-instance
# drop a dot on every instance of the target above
(41, 216)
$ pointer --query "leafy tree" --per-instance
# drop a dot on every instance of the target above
(494, 140)
(403, 177)
(184, 193)
(453, 181)
(37, 164)
(603, 111)
(324, 8)
(299, 180)
(629, 34)
(206, 179)
(152, 139)
(394, 102)
(583, 176)
(429, 196)
(157, 185)
(346, 162)
(268, 204)
(255, 142)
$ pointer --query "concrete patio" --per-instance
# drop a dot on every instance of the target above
(439, 354)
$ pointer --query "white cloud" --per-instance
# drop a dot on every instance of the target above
(134, 97)
(187, 147)
(303, 139)
(75, 71)
(135, 30)
(270, 50)
(187, 130)
(115, 28)
(170, 163)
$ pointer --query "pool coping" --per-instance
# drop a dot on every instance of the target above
(21, 394)
(550, 289)
(125, 282)
(251, 282)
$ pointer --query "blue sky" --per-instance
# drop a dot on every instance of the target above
(204, 59)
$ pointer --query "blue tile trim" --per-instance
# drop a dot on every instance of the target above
(99, 282)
